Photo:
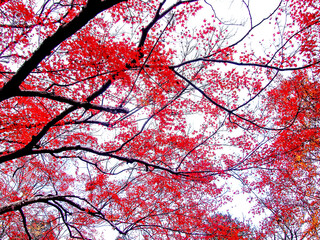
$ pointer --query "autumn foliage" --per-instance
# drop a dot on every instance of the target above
(151, 117)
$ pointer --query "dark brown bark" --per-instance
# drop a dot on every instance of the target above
(92, 9)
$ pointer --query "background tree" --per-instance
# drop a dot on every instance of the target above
(144, 115)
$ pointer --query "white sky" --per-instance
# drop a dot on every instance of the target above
(234, 11)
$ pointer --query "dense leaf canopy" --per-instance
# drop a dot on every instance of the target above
(151, 116)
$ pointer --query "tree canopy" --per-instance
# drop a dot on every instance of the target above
(151, 116)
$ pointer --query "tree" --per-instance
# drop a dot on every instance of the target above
(141, 115)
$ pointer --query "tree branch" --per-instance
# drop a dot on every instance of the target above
(24, 221)
(93, 8)
(85, 105)
(230, 112)
(280, 69)
(16, 206)
(157, 17)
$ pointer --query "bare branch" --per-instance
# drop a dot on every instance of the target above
(280, 69)
(24, 221)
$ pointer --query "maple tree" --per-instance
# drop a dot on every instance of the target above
(150, 116)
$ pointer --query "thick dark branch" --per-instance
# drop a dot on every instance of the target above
(106, 124)
(157, 17)
(280, 69)
(63, 214)
(52, 200)
(93, 8)
(24, 221)
(27, 150)
(202, 92)
(150, 25)
(105, 154)
(100, 91)
(148, 165)
(16, 206)
(85, 105)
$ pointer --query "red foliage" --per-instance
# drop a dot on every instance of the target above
(146, 115)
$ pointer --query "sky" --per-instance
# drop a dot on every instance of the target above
(231, 12)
